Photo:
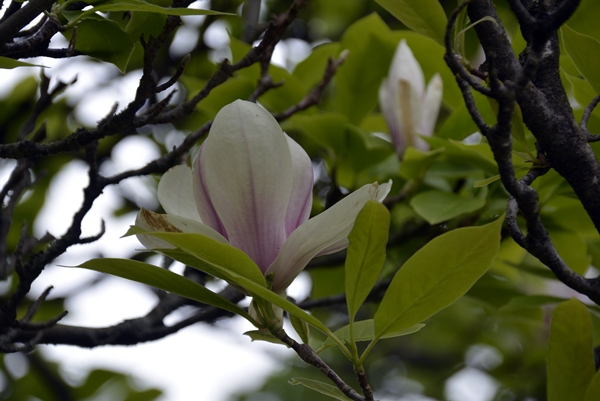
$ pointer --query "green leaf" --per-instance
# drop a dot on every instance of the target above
(9, 63)
(583, 91)
(572, 248)
(530, 301)
(479, 155)
(365, 331)
(460, 124)
(105, 40)
(323, 388)
(366, 253)
(426, 17)
(263, 335)
(164, 279)
(486, 182)
(310, 70)
(220, 260)
(416, 162)
(536, 269)
(301, 328)
(140, 5)
(585, 53)
(569, 214)
(593, 391)
(518, 132)
(371, 47)
(228, 263)
(494, 178)
(437, 275)
(570, 354)
(438, 206)
(145, 24)
(585, 19)
(326, 129)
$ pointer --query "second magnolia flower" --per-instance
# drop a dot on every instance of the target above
(251, 187)
(408, 107)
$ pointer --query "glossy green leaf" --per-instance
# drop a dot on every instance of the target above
(164, 279)
(371, 47)
(365, 331)
(323, 388)
(570, 354)
(438, 206)
(105, 40)
(10, 63)
(585, 53)
(220, 260)
(437, 275)
(366, 254)
(426, 17)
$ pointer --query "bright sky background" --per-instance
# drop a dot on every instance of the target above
(200, 362)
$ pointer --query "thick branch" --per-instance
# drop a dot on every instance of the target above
(134, 331)
(545, 107)
(17, 21)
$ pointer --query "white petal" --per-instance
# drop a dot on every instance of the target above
(204, 204)
(175, 193)
(300, 203)
(247, 167)
(430, 109)
(388, 102)
(151, 221)
(405, 66)
(322, 234)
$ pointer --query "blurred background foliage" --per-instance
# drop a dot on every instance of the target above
(498, 333)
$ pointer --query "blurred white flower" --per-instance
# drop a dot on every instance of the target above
(409, 109)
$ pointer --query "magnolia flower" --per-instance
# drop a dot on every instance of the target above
(251, 187)
(408, 108)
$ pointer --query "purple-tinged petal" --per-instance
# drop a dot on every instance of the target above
(247, 167)
(204, 204)
(322, 234)
(175, 193)
(151, 221)
(300, 203)
(388, 102)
